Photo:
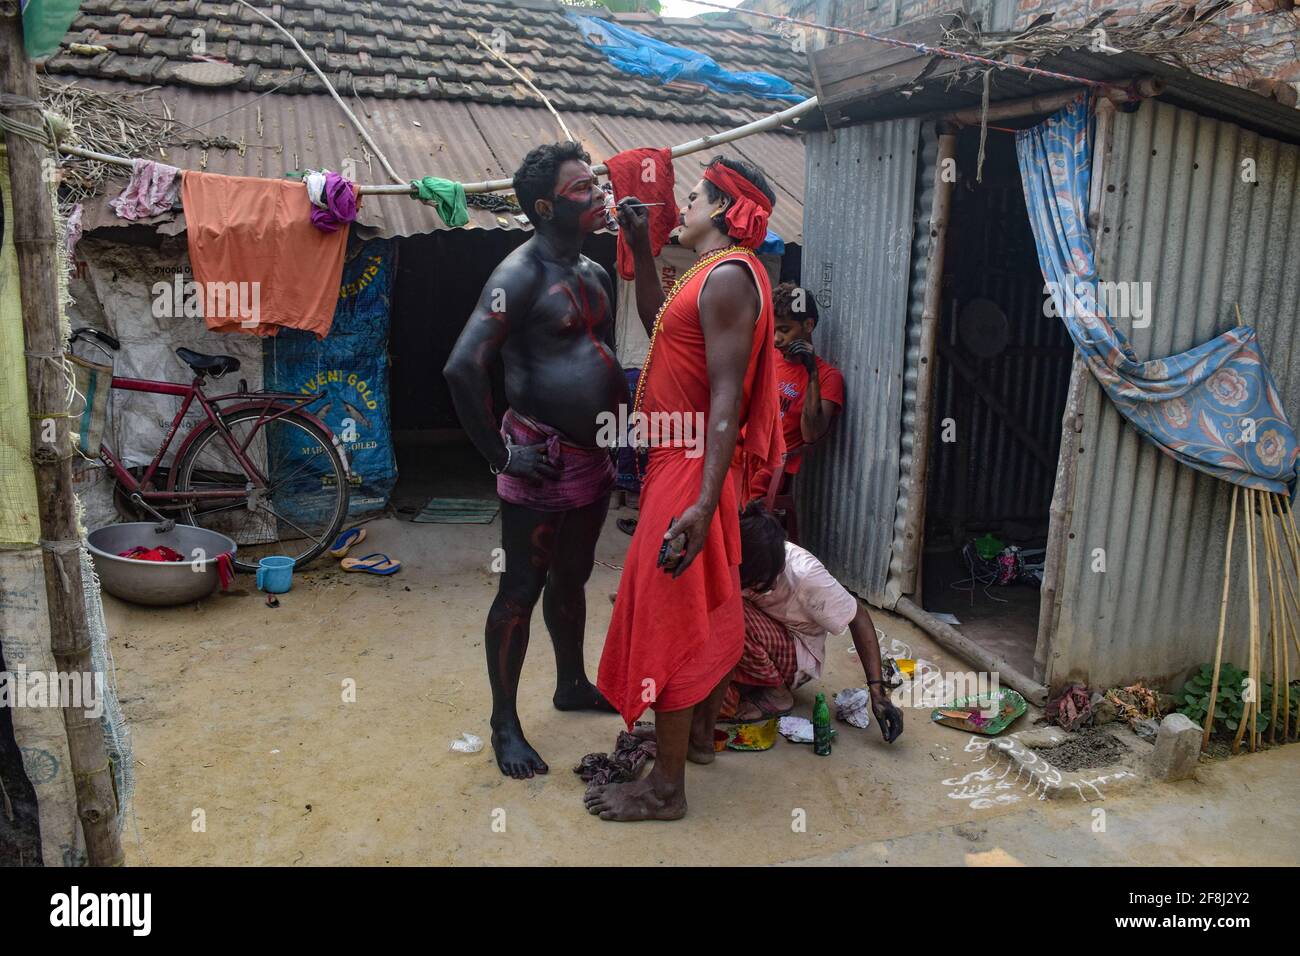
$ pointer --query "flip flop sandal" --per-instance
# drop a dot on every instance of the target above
(372, 564)
(345, 541)
(626, 525)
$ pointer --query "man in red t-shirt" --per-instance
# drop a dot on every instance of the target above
(809, 403)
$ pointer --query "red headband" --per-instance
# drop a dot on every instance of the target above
(747, 215)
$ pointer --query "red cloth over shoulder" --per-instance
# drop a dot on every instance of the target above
(646, 173)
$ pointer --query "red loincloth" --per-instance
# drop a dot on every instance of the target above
(585, 473)
(671, 642)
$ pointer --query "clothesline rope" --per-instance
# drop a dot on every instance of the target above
(772, 121)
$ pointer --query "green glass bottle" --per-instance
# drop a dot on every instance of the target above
(821, 727)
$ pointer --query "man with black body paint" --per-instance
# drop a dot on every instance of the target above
(546, 314)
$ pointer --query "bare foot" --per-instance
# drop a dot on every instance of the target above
(774, 700)
(638, 800)
(515, 756)
(581, 695)
(695, 752)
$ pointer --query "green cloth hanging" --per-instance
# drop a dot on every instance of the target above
(448, 198)
(45, 22)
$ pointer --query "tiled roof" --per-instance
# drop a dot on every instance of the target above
(420, 49)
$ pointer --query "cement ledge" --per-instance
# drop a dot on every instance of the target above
(1051, 783)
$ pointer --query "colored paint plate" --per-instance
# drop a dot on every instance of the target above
(1010, 706)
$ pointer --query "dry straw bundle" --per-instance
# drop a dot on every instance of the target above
(1195, 37)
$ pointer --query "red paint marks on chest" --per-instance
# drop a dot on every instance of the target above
(589, 310)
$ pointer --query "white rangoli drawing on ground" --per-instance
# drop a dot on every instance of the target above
(984, 787)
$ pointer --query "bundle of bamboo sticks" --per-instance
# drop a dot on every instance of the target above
(1270, 527)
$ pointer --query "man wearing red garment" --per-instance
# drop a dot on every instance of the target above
(677, 629)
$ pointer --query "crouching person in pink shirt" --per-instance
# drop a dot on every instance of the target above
(792, 603)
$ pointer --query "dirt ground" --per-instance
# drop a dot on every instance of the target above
(240, 725)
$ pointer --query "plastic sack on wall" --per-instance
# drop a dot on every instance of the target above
(349, 367)
(145, 297)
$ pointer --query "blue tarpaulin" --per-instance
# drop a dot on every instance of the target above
(1215, 407)
(350, 368)
(637, 53)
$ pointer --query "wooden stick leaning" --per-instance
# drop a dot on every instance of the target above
(526, 81)
(1257, 624)
(1289, 612)
(1223, 621)
(1285, 572)
(1250, 590)
(1274, 620)
(1292, 605)
(1289, 532)
(356, 123)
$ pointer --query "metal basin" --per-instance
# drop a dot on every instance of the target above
(160, 583)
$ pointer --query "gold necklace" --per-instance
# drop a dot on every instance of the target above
(706, 260)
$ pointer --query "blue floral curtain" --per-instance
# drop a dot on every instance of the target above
(1214, 407)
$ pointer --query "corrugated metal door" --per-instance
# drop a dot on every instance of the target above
(858, 225)
(1209, 214)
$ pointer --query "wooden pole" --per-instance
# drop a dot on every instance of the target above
(1293, 548)
(1223, 622)
(1254, 624)
(34, 238)
(1274, 620)
(762, 125)
(1254, 614)
(1285, 594)
(931, 304)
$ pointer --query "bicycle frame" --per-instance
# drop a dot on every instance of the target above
(272, 404)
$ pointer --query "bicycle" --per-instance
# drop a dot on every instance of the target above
(259, 468)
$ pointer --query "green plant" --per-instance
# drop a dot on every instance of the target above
(1229, 701)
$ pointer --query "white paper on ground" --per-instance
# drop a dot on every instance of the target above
(797, 730)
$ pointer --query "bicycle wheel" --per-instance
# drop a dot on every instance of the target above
(297, 515)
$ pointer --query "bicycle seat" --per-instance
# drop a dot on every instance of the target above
(209, 364)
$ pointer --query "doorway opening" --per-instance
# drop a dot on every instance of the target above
(1002, 371)
(440, 277)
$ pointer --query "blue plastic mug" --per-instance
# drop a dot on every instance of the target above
(275, 575)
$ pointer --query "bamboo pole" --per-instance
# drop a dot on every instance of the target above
(1254, 613)
(1256, 625)
(1223, 622)
(34, 238)
(526, 81)
(1292, 603)
(1274, 621)
(761, 125)
(329, 87)
(1293, 594)
(1288, 614)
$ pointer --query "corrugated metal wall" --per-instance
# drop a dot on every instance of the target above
(857, 251)
(1181, 217)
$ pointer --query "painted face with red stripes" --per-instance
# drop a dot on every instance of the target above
(579, 198)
